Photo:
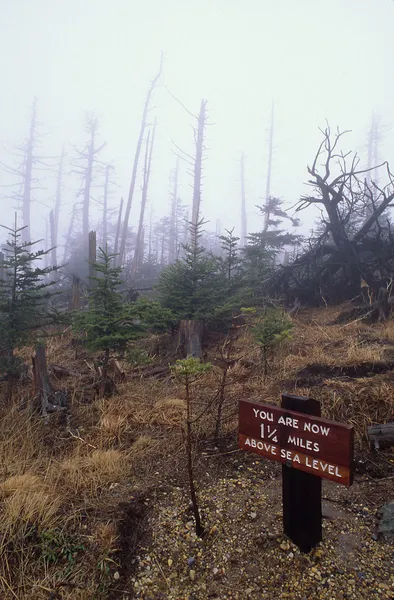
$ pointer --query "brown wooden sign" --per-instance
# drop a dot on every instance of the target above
(318, 446)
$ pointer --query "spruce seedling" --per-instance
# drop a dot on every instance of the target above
(24, 302)
(274, 328)
(188, 371)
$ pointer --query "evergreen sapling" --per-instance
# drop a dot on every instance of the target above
(24, 302)
(108, 323)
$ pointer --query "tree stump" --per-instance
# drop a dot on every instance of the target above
(75, 303)
(190, 337)
(42, 387)
(383, 304)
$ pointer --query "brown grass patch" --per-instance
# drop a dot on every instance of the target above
(170, 412)
(89, 473)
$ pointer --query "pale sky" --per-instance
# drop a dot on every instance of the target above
(317, 59)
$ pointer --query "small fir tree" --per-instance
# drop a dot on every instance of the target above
(188, 371)
(230, 261)
(108, 324)
(274, 327)
(191, 288)
(24, 302)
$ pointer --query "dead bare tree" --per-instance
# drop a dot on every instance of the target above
(109, 169)
(199, 142)
(122, 249)
(27, 164)
(118, 227)
(67, 242)
(244, 228)
(139, 246)
(269, 169)
(55, 213)
(85, 165)
(339, 188)
(174, 206)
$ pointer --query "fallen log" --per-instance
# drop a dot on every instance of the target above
(155, 372)
(381, 436)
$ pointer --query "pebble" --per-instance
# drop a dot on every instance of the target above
(285, 546)
(213, 530)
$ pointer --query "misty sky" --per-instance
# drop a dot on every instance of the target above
(317, 59)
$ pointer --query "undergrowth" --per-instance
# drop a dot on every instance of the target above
(65, 485)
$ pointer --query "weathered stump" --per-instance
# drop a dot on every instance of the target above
(42, 387)
(190, 337)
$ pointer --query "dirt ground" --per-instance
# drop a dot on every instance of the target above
(244, 553)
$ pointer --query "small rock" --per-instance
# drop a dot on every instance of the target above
(215, 571)
(213, 530)
(191, 561)
(192, 575)
(285, 546)
(252, 515)
(170, 562)
(116, 575)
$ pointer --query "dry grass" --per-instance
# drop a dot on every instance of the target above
(89, 473)
(49, 478)
(106, 538)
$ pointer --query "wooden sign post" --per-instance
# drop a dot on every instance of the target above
(310, 448)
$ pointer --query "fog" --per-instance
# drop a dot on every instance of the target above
(315, 60)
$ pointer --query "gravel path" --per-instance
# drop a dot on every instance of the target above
(244, 553)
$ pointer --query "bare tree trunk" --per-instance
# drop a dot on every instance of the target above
(122, 249)
(92, 256)
(119, 224)
(58, 199)
(46, 243)
(88, 184)
(244, 230)
(67, 242)
(269, 171)
(42, 387)
(26, 208)
(163, 248)
(150, 257)
(52, 227)
(174, 204)
(198, 163)
(85, 164)
(139, 245)
(105, 207)
(2, 274)
(76, 294)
